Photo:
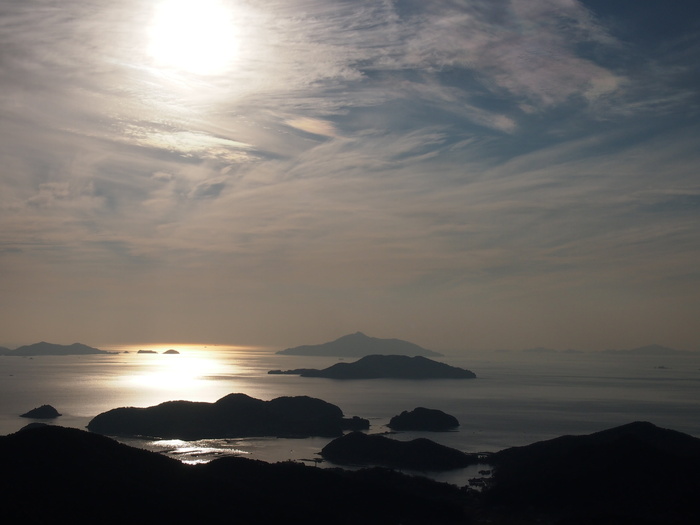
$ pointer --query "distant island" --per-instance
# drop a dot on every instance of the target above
(543, 350)
(649, 350)
(235, 415)
(44, 348)
(357, 448)
(359, 345)
(385, 367)
(653, 350)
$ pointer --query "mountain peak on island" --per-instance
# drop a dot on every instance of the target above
(360, 345)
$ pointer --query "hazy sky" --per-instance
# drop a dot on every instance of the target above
(473, 174)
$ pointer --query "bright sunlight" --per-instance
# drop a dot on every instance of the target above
(195, 36)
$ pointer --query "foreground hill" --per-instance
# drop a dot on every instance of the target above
(385, 367)
(359, 345)
(53, 474)
(44, 348)
(235, 415)
(635, 473)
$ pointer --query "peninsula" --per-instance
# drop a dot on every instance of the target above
(385, 367)
(359, 345)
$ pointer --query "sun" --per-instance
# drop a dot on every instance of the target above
(193, 36)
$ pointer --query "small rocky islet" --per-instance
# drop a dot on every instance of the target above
(42, 412)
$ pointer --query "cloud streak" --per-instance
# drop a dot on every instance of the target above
(434, 171)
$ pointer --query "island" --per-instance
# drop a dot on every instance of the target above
(146, 352)
(44, 348)
(358, 448)
(359, 345)
(421, 418)
(172, 351)
(42, 412)
(385, 367)
(235, 415)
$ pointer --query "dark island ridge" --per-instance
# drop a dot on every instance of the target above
(385, 367)
(235, 415)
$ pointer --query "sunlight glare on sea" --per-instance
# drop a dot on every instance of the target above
(186, 374)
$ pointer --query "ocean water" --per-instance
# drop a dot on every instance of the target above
(518, 398)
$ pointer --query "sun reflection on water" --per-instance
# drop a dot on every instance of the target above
(177, 371)
(197, 452)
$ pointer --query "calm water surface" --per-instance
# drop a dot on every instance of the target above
(517, 398)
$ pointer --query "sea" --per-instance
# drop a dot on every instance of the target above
(517, 398)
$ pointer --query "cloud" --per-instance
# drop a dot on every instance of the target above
(412, 161)
(313, 125)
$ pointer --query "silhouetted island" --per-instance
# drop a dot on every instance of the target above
(42, 412)
(146, 352)
(385, 367)
(421, 418)
(172, 351)
(357, 448)
(44, 348)
(359, 345)
(235, 415)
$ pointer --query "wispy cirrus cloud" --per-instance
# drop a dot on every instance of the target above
(425, 164)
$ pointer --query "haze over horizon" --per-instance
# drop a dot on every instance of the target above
(468, 174)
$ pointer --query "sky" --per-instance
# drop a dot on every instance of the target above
(462, 174)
